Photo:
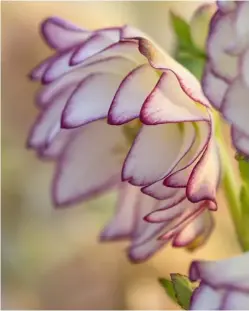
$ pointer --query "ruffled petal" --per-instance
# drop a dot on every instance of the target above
(223, 273)
(235, 106)
(123, 223)
(91, 100)
(61, 34)
(137, 85)
(168, 103)
(206, 298)
(152, 154)
(214, 87)
(72, 184)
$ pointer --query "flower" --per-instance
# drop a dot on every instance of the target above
(114, 106)
(226, 78)
(224, 284)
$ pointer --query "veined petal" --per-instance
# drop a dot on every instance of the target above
(113, 64)
(160, 143)
(240, 141)
(72, 184)
(214, 87)
(223, 273)
(47, 125)
(137, 85)
(123, 223)
(204, 178)
(168, 103)
(206, 298)
(235, 106)
(91, 100)
(61, 35)
(222, 63)
(95, 44)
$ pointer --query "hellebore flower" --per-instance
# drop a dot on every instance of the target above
(224, 284)
(226, 78)
(115, 107)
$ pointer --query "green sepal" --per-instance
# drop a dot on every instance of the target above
(169, 288)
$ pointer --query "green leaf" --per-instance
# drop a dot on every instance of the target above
(194, 64)
(169, 288)
(183, 289)
(244, 201)
(182, 30)
(244, 169)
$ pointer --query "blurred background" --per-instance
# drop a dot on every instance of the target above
(51, 259)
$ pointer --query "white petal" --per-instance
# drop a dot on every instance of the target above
(245, 67)
(159, 191)
(206, 298)
(235, 107)
(91, 100)
(240, 141)
(169, 103)
(235, 300)
(122, 224)
(226, 6)
(132, 93)
(61, 35)
(153, 154)
(116, 65)
(89, 164)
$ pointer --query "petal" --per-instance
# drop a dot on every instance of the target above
(169, 209)
(152, 154)
(38, 72)
(235, 300)
(159, 191)
(235, 106)
(91, 99)
(206, 298)
(214, 87)
(245, 67)
(113, 65)
(226, 6)
(222, 63)
(95, 44)
(201, 227)
(240, 141)
(223, 273)
(80, 174)
(137, 85)
(169, 103)
(204, 178)
(123, 222)
(61, 34)
(47, 125)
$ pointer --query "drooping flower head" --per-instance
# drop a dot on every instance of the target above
(226, 78)
(115, 109)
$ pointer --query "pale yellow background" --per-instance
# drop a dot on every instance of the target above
(51, 258)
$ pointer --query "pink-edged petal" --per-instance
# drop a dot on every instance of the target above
(95, 44)
(113, 64)
(91, 100)
(38, 72)
(180, 175)
(47, 125)
(57, 145)
(240, 141)
(235, 106)
(221, 34)
(201, 227)
(152, 154)
(204, 178)
(206, 298)
(214, 87)
(169, 103)
(235, 300)
(245, 67)
(61, 34)
(122, 225)
(80, 173)
(137, 85)
(223, 273)
(168, 209)
(159, 191)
